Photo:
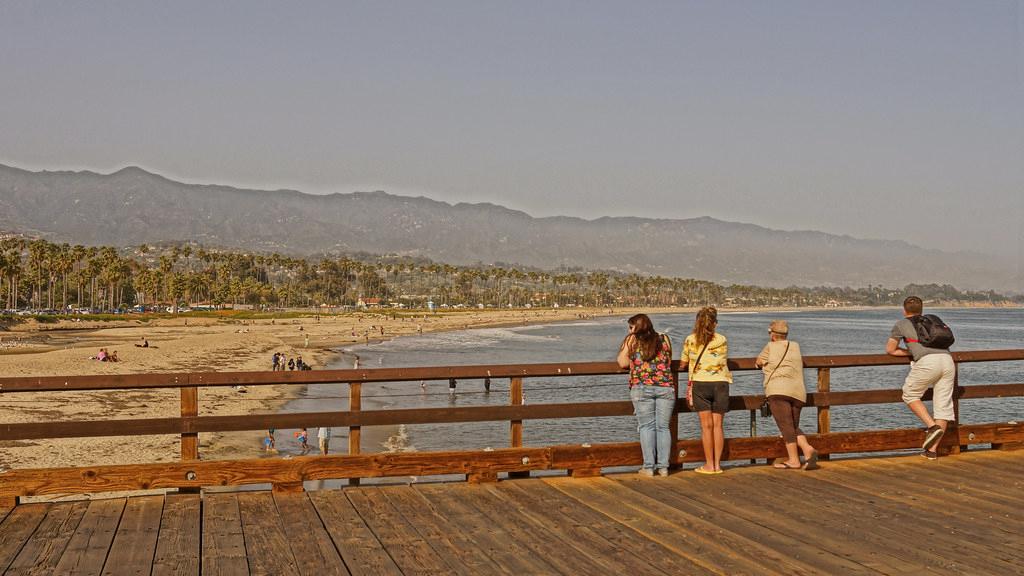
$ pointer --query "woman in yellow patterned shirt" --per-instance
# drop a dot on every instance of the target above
(706, 353)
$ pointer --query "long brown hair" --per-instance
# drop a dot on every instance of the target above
(704, 326)
(648, 341)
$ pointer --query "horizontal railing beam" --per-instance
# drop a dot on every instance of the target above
(446, 415)
(268, 378)
(92, 479)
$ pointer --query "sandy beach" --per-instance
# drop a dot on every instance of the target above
(183, 344)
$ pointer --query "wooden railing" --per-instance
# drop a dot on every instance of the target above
(579, 460)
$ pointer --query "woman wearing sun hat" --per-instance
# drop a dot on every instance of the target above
(783, 368)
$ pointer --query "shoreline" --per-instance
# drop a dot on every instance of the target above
(211, 344)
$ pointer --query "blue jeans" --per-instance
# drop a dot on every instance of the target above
(653, 407)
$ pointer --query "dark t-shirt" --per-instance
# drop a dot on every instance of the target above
(904, 330)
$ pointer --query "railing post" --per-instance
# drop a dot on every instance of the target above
(515, 393)
(189, 440)
(674, 461)
(753, 432)
(355, 404)
(954, 426)
(824, 416)
(189, 409)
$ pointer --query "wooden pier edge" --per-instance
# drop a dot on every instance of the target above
(287, 475)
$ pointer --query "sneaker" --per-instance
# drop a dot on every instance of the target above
(930, 454)
(645, 472)
(932, 437)
(662, 471)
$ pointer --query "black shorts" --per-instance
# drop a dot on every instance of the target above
(713, 396)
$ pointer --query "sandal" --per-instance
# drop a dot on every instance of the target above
(785, 466)
(702, 470)
(812, 462)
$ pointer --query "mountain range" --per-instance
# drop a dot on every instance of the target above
(133, 206)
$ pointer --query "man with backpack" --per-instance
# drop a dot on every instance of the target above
(927, 340)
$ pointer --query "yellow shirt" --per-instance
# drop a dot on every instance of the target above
(713, 365)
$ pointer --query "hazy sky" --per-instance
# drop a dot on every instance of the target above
(900, 120)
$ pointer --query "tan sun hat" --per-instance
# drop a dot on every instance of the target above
(779, 327)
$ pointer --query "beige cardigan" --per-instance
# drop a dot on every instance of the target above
(788, 379)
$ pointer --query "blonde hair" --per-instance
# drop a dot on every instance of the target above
(704, 326)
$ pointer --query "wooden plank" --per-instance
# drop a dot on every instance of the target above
(177, 547)
(595, 533)
(34, 482)
(409, 550)
(43, 550)
(16, 529)
(359, 547)
(223, 544)
(87, 550)
(686, 536)
(493, 540)
(529, 534)
(903, 525)
(688, 493)
(931, 495)
(310, 543)
(458, 549)
(135, 542)
(266, 544)
(756, 494)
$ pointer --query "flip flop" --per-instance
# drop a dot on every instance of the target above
(703, 470)
(812, 462)
(785, 466)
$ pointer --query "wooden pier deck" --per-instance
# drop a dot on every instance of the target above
(897, 515)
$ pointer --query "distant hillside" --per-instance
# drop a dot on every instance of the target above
(132, 206)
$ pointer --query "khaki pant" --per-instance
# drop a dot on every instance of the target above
(935, 371)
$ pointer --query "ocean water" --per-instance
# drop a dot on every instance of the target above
(818, 332)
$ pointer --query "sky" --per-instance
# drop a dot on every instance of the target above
(877, 119)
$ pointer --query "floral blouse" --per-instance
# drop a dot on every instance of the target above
(657, 372)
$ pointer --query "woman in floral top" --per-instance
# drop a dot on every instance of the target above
(648, 355)
(706, 353)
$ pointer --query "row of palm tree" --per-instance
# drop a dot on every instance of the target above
(44, 275)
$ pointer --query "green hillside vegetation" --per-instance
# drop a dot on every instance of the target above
(40, 275)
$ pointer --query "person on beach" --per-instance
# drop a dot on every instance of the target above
(705, 352)
(291, 363)
(268, 441)
(302, 436)
(930, 368)
(648, 355)
(143, 344)
(276, 362)
(784, 390)
(324, 436)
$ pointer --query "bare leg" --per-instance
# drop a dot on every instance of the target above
(719, 439)
(921, 411)
(805, 447)
(792, 459)
(707, 438)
